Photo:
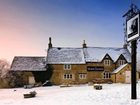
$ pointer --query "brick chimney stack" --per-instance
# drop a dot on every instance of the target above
(125, 46)
(50, 43)
(84, 44)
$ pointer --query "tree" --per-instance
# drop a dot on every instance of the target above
(4, 67)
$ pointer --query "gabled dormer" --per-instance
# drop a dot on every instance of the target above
(107, 60)
(121, 60)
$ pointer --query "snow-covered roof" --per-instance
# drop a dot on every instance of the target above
(119, 68)
(22, 63)
(96, 54)
(82, 55)
(65, 56)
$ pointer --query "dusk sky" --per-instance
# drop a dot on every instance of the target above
(26, 25)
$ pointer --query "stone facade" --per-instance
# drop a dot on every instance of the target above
(85, 64)
(123, 75)
(75, 65)
(81, 74)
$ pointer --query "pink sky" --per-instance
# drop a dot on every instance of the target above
(17, 38)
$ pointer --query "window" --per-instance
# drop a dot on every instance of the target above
(82, 76)
(67, 67)
(67, 76)
(121, 62)
(106, 75)
(107, 62)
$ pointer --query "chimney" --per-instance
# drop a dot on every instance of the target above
(125, 46)
(50, 43)
(84, 44)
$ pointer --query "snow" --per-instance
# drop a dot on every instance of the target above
(119, 68)
(28, 63)
(96, 54)
(58, 55)
(65, 56)
(111, 94)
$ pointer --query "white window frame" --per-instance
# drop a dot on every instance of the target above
(82, 76)
(107, 62)
(67, 66)
(106, 75)
(67, 76)
(121, 62)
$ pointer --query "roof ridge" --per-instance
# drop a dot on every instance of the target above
(29, 56)
(69, 47)
(89, 47)
(106, 47)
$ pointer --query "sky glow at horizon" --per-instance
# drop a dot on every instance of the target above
(26, 25)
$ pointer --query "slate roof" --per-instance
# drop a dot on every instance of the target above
(96, 54)
(119, 68)
(23, 63)
(65, 56)
(58, 55)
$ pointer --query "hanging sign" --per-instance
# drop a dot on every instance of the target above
(133, 28)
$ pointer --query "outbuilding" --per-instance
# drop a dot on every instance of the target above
(122, 74)
(33, 69)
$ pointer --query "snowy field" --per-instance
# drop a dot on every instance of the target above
(111, 94)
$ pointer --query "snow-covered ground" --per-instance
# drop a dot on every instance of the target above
(111, 94)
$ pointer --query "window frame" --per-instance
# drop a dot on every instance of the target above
(68, 76)
(67, 67)
(107, 62)
(106, 75)
(82, 76)
(121, 62)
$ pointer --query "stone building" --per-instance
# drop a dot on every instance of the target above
(77, 65)
(86, 64)
(32, 69)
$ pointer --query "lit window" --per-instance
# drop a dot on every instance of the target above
(121, 62)
(82, 76)
(67, 76)
(106, 75)
(67, 67)
(107, 62)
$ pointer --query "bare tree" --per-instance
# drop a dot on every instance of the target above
(4, 70)
(4, 67)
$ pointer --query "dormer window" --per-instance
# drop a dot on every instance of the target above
(67, 67)
(107, 62)
(121, 62)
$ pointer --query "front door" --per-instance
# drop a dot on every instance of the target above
(127, 76)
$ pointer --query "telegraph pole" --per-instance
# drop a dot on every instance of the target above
(133, 34)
